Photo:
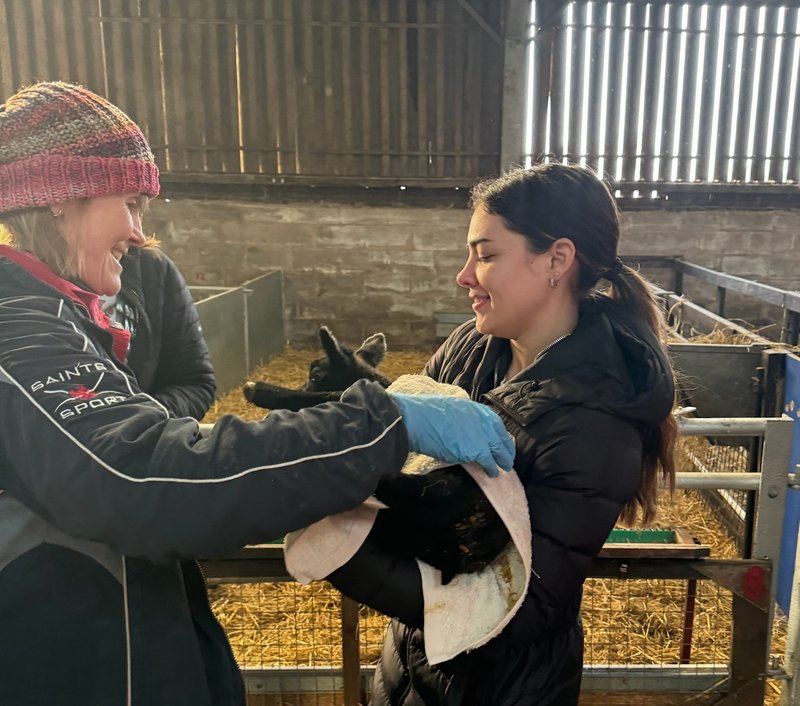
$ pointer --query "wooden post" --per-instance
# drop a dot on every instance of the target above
(688, 621)
(512, 138)
(351, 654)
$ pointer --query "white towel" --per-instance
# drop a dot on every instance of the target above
(472, 608)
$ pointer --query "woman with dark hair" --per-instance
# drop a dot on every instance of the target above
(582, 381)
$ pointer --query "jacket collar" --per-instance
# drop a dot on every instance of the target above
(88, 301)
(609, 362)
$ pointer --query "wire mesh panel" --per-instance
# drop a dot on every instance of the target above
(372, 628)
(281, 624)
(653, 622)
(729, 506)
(287, 638)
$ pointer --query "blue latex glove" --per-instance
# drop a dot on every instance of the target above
(456, 430)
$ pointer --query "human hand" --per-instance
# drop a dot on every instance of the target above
(456, 430)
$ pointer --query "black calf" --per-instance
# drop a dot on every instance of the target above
(328, 376)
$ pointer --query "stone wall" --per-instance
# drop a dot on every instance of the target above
(361, 269)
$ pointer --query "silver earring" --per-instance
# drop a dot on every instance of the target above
(554, 281)
(58, 213)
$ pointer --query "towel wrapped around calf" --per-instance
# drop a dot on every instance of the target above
(465, 612)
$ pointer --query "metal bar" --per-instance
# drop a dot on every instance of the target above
(246, 321)
(772, 490)
(717, 481)
(721, 292)
(674, 188)
(351, 655)
(641, 678)
(716, 426)
(677, 281)
(712, 319)
(790, 694)
(763, 292)
(722, 426)
(748, 532)
(211, 288)
(298, 680)
(791, 328)
(596, 677)
(726, 572)
(753, 465)
(265, 563)
(775, 462)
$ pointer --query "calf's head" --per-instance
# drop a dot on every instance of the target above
(340, 367)
(328, 376)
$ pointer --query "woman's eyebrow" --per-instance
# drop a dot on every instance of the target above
(477, 241)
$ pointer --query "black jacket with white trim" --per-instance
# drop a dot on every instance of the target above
(102, 494)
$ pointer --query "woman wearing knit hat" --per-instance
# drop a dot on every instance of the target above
(104, 499)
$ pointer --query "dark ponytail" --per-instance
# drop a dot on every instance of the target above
(551, 201)
(633, 293)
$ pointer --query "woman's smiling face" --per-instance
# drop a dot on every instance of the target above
(99, 231)
(507, 282)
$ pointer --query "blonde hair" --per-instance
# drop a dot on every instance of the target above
(35, 230)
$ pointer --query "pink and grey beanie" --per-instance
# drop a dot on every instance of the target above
(60, 142)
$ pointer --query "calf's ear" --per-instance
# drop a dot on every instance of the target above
(373, 349)
(329, 343)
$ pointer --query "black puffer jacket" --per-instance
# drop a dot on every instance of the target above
(168, 353)
(579, 416)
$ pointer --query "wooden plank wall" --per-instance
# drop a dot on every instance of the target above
(286, 90)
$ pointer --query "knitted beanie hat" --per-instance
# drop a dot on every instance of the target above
(60, 142)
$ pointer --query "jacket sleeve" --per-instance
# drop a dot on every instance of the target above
(583, 468)
(83, 448)
(184, 377)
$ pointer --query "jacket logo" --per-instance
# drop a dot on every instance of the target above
(82, 393)
(68, 374)
(71, 392)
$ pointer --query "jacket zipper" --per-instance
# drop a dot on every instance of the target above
(409, 685)
(211, 610)
(129, 687)
(505, 409)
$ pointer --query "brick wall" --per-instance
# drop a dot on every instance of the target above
(366, 268)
